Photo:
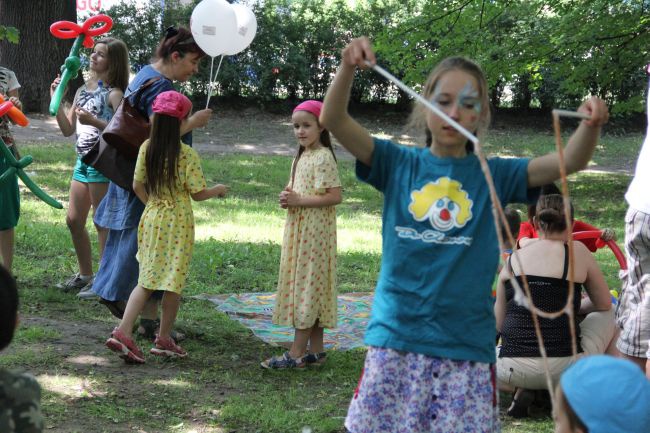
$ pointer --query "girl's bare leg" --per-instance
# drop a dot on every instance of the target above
(300, 339)
(97, 192)
(170, 303)
(7, 248)
(138, 298)
(78, 209)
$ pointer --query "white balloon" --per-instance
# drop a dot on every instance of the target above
(246, 29)
(213, 25)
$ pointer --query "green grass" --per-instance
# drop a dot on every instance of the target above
(221, 388)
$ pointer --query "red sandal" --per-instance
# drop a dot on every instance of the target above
(125, 346)
(168, 348)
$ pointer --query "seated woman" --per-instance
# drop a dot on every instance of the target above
(545, 262)
(527, 229)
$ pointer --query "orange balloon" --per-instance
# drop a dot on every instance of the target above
(15, 114)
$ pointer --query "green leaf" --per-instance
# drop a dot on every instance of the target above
(11, 34)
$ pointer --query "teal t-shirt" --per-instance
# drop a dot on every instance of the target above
(439, 250)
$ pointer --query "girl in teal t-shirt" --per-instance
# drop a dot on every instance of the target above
(430, 364)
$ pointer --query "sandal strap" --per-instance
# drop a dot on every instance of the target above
(312, 358)
(285, 361)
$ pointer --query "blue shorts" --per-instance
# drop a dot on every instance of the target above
(86, 174)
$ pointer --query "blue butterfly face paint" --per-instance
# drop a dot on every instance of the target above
(467, 99)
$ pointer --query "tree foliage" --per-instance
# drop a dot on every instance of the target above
(535, 53)
(37, 59)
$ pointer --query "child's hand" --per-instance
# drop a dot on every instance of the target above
(55, 84)
(357, 52)
(597, 109)
(16, 102)
(85, 117)
(220, 190)
(283, 198)
(608, 235)
(289, 198)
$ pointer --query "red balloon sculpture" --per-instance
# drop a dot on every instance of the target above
(70, 30)
(84, 33)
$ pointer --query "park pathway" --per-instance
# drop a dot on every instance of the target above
(43, 129)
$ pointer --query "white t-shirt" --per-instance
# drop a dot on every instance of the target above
(638, 193)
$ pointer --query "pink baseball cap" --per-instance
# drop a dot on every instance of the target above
(310, 106)
(172, 104)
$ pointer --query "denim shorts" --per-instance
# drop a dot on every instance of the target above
(86, 174)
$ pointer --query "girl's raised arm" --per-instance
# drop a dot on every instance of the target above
(334, 115)
(545, 169)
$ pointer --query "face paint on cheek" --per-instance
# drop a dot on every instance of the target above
(468, 93)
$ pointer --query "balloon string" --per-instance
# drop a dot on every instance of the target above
(213, 81)
(210, 83)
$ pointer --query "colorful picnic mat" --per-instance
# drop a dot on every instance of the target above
(254, 311)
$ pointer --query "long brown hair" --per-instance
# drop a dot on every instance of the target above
(177, 40)
(324, 139)
(163, 154)
(418, 115)
(118, 62)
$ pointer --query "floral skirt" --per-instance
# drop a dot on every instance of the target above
(402, 392)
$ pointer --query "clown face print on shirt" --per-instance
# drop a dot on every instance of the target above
(444, 205)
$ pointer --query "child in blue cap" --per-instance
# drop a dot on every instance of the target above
(602, 394)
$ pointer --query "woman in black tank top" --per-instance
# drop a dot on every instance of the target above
(545, 262)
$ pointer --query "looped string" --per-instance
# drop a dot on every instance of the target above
(212, 83)
(525, 294)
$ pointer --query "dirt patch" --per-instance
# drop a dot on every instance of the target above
(86, 374)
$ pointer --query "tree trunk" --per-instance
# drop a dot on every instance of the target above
(38, 57)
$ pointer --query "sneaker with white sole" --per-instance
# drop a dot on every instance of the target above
(74, 283)
(87, 291)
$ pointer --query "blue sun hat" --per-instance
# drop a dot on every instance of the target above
(609, 395)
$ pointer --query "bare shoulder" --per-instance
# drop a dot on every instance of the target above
(580, 248)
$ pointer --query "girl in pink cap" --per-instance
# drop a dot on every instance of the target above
(167, 174)
(306, 297)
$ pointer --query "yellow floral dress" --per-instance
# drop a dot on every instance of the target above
(307, 277)
(166, 230)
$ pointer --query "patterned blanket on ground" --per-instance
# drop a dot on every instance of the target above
(254, 311)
